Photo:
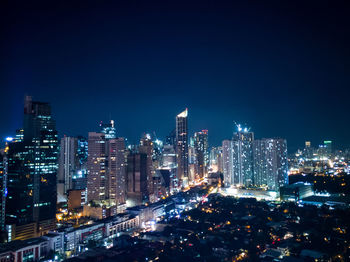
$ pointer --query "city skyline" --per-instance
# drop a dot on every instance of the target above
(135, 140)
(280, 68)
(174, 131)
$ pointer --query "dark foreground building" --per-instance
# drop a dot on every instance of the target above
(30, 174)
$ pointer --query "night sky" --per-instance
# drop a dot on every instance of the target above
(282, 67)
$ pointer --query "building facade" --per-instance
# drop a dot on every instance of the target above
(270, 163)
(242, 150)
(31, 174)
(137, 184)
(182, 147)
(68, 165)
(201, 151)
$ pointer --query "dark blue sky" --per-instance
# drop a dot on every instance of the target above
(281, 67)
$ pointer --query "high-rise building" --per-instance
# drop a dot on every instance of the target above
(242, 149)
(270, 163)
(82, 151)
(192, 161)
(68, 165)
(169, 163)
(137, 184)
(117, 170)
(3, 181)
(182, 147)
(31, 173)
(227, 162)
(106, 166)
(146, 148)
(97, 182)
(201, 151)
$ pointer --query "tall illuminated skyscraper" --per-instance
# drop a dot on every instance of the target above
(31, 171)
(68, 165)
(146, 148)
(192, 161)
(201, 151)
(117, 170)
(106, 166)
(242, 150)
(3, 193)
(227, 162)
(270, 163)
(97, 182)
(182, 147)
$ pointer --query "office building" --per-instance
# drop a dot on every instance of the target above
(97, 182)
(146, 148)
(106, 178)
(3, 189)
(68, 165)
(201, 151)
(31, 174)
(137, 184)
(182, 147)
(82, 151)
(117, 170)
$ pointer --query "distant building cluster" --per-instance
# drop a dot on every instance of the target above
(249, 162)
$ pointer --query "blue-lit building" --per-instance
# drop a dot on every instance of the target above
(82, 151)
(109, 130)
(270, 163)
(31, 174)
(242, 157)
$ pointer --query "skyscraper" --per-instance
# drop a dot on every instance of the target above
(270, 163)
(192, 161)
(227, 159)
(117, 170)
(97, 183)
(68, 165)
(31, 162)
(242, 149)
(137, 185)
(146, 147)
(82, 151)
(106, 166)
(182, 147)
(3, 193)
(201, 151)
